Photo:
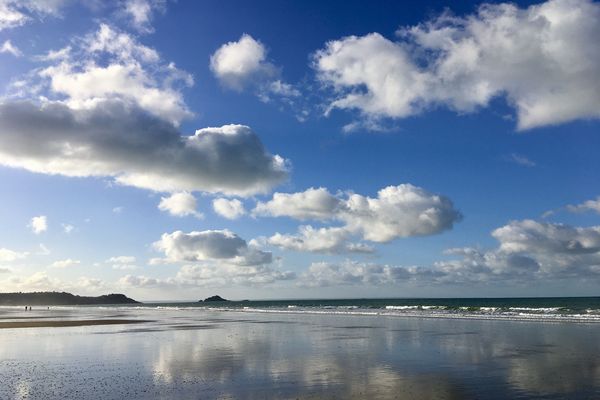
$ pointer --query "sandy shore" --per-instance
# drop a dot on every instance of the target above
(194, 353)
(58, 324)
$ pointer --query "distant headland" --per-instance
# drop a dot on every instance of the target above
(214, 298)
(60, 299)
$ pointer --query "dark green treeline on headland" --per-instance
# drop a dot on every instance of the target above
(60, 299)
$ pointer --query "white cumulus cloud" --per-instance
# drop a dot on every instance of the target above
(544, 59)
(310, 204)
(243, 64)
(222, 246)
(237, 64)
(109, 64)
(180, 204)
(211, 258)
(229, 208)
(528, 251)
(319, 240)
(136, 149)
(397, 211)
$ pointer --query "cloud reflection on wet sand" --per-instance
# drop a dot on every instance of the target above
(195, 353)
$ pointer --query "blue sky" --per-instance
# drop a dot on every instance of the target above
(173, 150)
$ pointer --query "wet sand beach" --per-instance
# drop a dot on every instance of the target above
(59, 324)
(202, 354)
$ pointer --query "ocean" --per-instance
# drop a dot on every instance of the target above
(575, 309)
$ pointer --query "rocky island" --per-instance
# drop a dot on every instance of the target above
(214, 298)
(61, 299)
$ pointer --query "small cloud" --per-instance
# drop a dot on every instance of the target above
(158, 261)
(55, 55)
(68, 228)
(379, 125)
(141, 13)
(230, 209)
(519, 160)
(44, 251)
(38, 224)
(180, 204)
(65, 263)
(589, 205)
(548, 214)
(124, 267)
(7, 255)
(118, 210)
(243, 64)
(8, 47)
(122, 262)
(122, 259)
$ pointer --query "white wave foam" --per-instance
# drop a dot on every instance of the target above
(414, 311)
(536, 309)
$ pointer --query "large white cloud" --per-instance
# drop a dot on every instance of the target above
(109, 64)
(211, 258)
(221, 246)
(528, 251)
(558, 249)
(136, 149)
(397, 211)
(113, 110)
(543, 58)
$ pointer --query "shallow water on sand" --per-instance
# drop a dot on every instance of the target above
(202, 354)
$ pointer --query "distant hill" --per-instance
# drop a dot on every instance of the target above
(60, 299)
(214, 298)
